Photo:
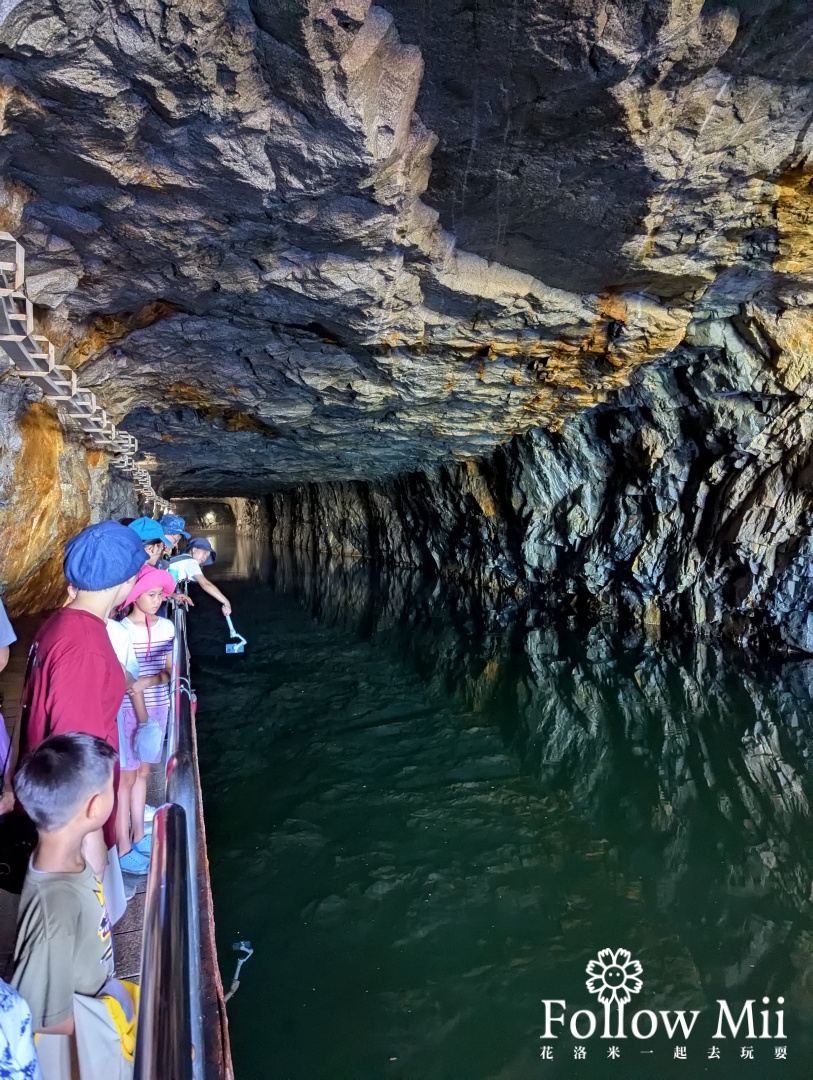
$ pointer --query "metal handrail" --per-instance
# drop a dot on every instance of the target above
(164, 1045)
(169, 1043)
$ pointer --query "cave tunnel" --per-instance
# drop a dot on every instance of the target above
(472, 345)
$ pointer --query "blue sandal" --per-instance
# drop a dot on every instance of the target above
(134, 862)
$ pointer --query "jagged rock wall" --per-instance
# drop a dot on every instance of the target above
(235, 231)
(243, 232)
(51, 485)
(683, 500)
(250, 516)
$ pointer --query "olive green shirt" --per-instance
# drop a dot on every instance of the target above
(64, 943)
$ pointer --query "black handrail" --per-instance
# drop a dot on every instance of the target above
(169, 1043)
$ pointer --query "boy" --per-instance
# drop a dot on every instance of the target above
(74, 680)
(174, 528)
(187, 567)
(152, 537)
(64, 944)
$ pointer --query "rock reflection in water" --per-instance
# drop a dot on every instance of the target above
(676, 745)
(480, 801)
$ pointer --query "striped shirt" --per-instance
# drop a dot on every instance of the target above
(151, 652)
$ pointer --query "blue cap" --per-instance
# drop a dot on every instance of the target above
(203, 543)
(171, 523)
(102, 556)
(149, 530)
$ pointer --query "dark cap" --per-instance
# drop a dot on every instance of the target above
(202, 543)
(171, 523)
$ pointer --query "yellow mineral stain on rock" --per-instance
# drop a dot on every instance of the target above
(11, 97)
(184, 394)
(794, 217)
(13, 199)
(481, 689)
(38, 518)
(790, 335)
(240, 421)
(611, 309)
(104, 330)
(477, 486)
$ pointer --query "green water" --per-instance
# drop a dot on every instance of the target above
(428, 818)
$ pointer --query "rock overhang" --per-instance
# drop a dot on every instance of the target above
(223, 211)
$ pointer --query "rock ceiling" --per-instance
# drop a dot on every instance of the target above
(293, 241)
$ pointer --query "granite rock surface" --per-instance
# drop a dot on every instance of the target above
(682, 501)
(307, 242)
(299, 242)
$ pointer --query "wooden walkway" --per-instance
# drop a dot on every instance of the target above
(127, 932)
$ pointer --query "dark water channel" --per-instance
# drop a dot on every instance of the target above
(428, 819)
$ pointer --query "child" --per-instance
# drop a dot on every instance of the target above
(137, 864)
(74, 680)
(174, 528)
(152, 639)
(187, 567)
(64, 944)
(63, 953)
(152, 537)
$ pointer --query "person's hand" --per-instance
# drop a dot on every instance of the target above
(227, 609)
(182, 599)
(7, 799)
(140, 685)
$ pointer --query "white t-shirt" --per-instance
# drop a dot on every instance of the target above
(122, 646)
(152, 645)
(184, 569)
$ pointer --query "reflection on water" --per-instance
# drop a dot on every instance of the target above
(239, 556)
(429, 815)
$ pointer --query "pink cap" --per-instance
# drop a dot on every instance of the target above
(150, 577)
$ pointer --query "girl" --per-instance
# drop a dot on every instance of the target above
(152, 639)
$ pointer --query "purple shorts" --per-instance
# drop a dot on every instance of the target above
(127, 752)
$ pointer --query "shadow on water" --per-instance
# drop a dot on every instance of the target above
(428, 816)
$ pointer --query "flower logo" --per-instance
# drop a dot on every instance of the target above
(614, 976)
